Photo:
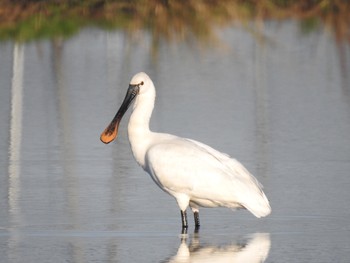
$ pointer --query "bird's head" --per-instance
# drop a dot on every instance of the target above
(139, 84)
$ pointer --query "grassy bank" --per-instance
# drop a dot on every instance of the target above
(170, 20)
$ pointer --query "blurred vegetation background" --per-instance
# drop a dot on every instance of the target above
(23, 20)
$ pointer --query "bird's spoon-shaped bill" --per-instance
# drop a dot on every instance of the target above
(111, 132)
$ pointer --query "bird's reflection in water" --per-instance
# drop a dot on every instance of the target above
(255, 248)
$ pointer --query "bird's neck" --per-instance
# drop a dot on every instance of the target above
(138, 128)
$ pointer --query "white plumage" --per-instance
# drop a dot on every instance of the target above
(192, 172)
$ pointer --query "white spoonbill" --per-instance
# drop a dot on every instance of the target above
(195, 174)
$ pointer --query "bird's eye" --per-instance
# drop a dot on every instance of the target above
(141, 83)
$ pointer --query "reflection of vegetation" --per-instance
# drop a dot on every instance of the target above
(24, 20)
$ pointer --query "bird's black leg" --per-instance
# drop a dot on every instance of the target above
(184, 222)
(196, 221)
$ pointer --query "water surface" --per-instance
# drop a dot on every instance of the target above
(279, 103)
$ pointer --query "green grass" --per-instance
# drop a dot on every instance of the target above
(171, 20)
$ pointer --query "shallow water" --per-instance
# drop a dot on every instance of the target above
(279, 104)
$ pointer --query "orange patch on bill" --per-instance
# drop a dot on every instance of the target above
(109, 135)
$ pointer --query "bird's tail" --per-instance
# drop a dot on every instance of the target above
(260, 207)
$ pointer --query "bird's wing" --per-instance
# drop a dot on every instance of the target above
(191, 167)
(234, 167)
(247, 188)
